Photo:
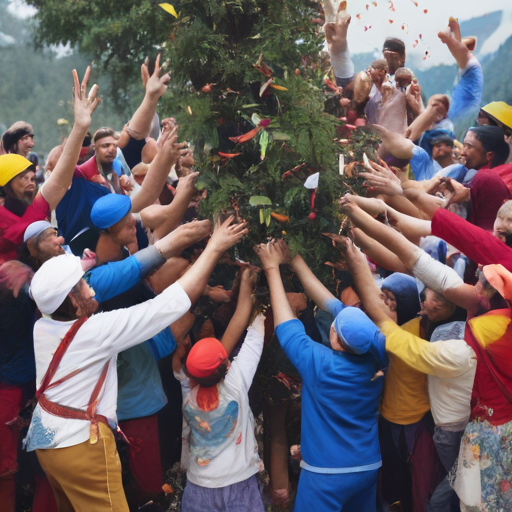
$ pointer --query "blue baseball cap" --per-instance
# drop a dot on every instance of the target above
(110, 209)
(360, 334)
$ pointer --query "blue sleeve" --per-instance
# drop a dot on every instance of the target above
(302, 351)
(162, 344)
(334, 306)
(113, 278)
(457, 172)
(421, 164)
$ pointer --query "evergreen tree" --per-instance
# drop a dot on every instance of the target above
(248, 92)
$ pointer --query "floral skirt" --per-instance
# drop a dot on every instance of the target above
(482, 476)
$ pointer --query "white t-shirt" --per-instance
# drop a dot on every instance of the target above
(99, 340)
(219, 447)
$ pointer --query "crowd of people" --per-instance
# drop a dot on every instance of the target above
(122, 354)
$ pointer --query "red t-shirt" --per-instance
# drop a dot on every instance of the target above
(12, 227)
(505, 173)
(476, 243)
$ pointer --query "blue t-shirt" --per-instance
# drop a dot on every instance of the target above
(113, 278)
(467, 97)
(17, 318)
(459, 173)
(422, 164)
(340, 403)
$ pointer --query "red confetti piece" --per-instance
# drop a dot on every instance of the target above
(358, 16)
(374, 3)
(391, 21)
(425, 11)
(415, 43)
(367, 6)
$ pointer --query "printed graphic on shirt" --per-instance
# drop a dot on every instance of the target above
(39, 436)
(210, 430)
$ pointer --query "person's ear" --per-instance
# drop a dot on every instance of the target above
(73, 300)
(489, 156)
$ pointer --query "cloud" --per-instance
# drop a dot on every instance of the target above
(20, 9)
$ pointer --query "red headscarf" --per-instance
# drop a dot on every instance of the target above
(205, 357)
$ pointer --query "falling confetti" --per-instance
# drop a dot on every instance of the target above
(405, 28)
(391, 6)
(415, 43)
(358, 16)
(375, 4)
(367, 6)
(391, 21)
(415, 3)
(425, 11)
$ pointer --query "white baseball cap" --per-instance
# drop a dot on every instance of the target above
(54, 280)
(36, 228)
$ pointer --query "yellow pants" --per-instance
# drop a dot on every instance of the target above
(86, 477)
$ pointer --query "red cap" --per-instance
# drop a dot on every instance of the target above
(205, 357)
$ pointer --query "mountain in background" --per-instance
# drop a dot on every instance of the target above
(494, 47)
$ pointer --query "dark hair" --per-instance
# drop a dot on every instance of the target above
(11, 137)
(102, 133)
(214, 378)
(492, 139)
(394, 44)
(66, 311)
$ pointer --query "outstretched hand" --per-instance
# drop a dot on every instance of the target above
(337, 32)
(169, 146)
(226, 234)
(155, 84)
(382, 180)
(273, 254)
(84, 104)
(187, 184)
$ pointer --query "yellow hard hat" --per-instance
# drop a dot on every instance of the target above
(500, 111)
(11, 165)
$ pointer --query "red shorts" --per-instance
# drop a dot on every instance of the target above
(10, 406)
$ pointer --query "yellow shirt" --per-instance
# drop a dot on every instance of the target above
(405, 397)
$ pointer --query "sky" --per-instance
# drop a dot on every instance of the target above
(368, 31)
(417, 22)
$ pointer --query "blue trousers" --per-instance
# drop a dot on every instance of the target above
(347, 492)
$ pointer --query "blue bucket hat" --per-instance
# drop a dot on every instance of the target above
(432, 137)
(360, 334)
(110, 209)
(405, 290)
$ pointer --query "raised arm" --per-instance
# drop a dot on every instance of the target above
(336, 37)
(162, 219)
(224, 237)
(365, 284)
(395, 143)
(240, 319)
(84, 104)
(272, 255)
(425, 120)
(156, 85)
(158, 170)
(377, 252)
(412, 228)
(314, 289)
(432, 273)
